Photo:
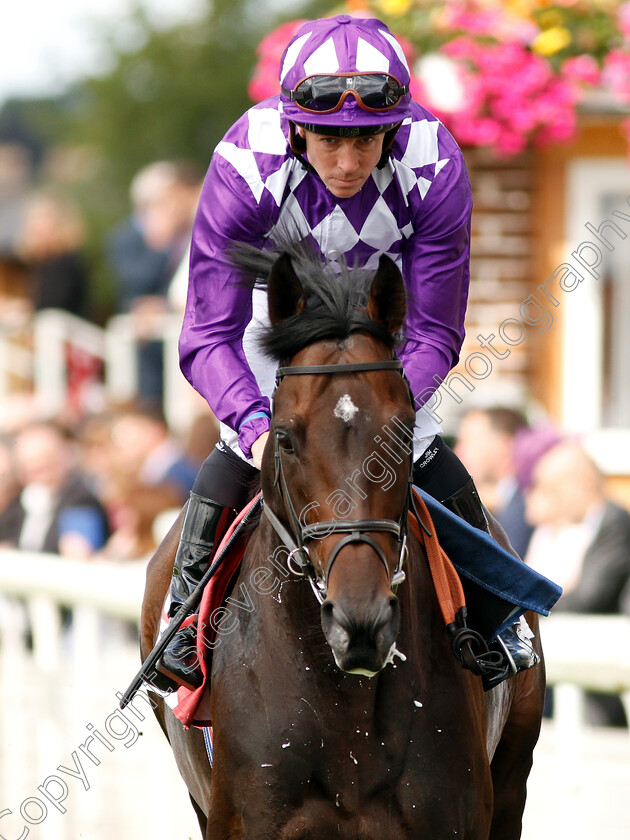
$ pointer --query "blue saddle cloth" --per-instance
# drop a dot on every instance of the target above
(498, 586)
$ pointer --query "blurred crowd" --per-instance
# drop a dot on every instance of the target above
(549, 495)
(109, 488)
(108, 481)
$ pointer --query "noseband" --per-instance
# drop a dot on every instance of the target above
(357, 530)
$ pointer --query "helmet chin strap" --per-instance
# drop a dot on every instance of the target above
(298, 147)
(298, 144)
(387, 145)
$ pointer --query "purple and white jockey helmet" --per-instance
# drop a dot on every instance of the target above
(344, 46)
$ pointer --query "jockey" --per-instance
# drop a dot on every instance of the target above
(344, 157)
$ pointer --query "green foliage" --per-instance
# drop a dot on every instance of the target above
(167, 94)
(176, 94)
(172, 97)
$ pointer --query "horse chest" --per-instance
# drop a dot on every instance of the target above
(365, 761)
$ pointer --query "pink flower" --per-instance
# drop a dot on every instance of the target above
(479, 22)
(462, 47)
(623, 19)
(264, 81)
(478, 132)
(561, 131)
(616, 74)
(499, 22)
(512, 97)
(582, 69)
(510, 143)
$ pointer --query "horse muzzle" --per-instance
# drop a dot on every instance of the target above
(361, 639)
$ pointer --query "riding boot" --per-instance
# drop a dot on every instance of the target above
(204, 525)
(512, 642)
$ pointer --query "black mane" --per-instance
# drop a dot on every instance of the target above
(335, 302)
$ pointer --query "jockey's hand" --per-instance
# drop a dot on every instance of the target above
(257, 449)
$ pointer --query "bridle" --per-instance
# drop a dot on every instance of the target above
(357, 530)
(468, 645)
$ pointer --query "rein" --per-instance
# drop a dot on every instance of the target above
(357, 530)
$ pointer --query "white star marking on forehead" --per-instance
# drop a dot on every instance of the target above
(345, 408)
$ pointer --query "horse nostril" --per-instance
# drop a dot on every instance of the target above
(361, 635)
(386, 620)
(394, 606)
(336, 627)
(332, 614)
(328, 616)
(327, 609)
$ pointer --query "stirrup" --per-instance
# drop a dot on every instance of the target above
(517, 652)
(471, 649)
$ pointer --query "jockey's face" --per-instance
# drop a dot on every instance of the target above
(343, 163)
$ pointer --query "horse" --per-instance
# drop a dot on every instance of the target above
(338, 707)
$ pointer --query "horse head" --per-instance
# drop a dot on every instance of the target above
(336, 469)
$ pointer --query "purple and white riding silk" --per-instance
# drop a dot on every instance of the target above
(416, 209)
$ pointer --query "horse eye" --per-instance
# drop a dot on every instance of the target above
(285, 441)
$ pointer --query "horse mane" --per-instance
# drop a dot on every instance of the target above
(336, 298)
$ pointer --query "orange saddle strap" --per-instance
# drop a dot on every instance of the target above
(445, 578)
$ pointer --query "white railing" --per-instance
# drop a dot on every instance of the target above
(121, 365)
(71, 764)
(53, 331)
(35, 352)
(60, 677)
(582, 774)
(586, 653)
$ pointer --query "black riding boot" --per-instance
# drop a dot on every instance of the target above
(513, 644)
(220, 490)
(204, 525)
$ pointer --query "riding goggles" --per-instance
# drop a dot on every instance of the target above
(326, 94)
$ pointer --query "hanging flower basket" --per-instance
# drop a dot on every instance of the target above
(504, 75)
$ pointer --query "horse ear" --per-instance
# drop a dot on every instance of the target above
(387, 302)
(285, 294)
